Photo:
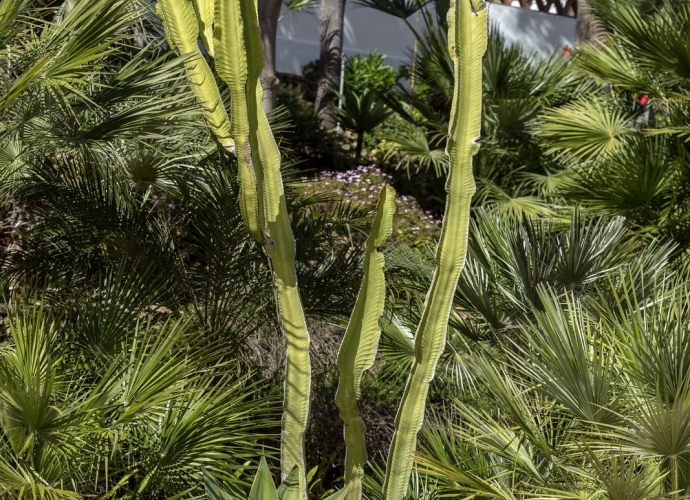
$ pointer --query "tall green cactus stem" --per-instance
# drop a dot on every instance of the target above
(467, 38)
(236, 65)
(239, 59)
(182, 30)
(358, 350)
(204, 10)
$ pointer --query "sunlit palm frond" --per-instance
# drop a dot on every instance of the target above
(611, 64)
(545, 185)
(638, 182)
(416, 151)
(148, 417)
(421, 487)
(433, 65)
(658, 39)
(9, 13)
(629, 479)
(649, 333)
(572, 367)
(513, 206)
(586, 130)
(70, 48)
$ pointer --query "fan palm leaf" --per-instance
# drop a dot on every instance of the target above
(586, 130)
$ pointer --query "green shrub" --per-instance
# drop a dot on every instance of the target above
(310, 145)
(369, 72)
(360, 186)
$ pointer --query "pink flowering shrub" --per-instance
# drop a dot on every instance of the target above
(361, 186)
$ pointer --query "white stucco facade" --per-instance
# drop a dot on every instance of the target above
(367, 29)
(536, 31)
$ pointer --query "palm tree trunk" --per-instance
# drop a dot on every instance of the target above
(331, 39)
(269, 13)
(588, 28)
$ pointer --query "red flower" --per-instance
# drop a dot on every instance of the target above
(567, 51)
(643, 99)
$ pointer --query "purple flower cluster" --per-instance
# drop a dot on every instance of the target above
(361, 185)
(430, 216)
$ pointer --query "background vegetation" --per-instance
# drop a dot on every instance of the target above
(139, 346)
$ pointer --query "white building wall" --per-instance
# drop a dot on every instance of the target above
(536, 31)
(367, 29)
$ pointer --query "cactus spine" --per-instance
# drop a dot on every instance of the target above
(467, 38)
(358, 349)
(236, 46)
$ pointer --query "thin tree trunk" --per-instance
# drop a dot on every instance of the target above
(331, 39)
(269, 13)
(360, 143)
(589, 28)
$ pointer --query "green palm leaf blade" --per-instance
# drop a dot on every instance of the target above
(614, 65)
(468, 484)
(213, 489)
(467, 41)
(629, 479)
(204, 10)
(570, 367)
(182, 30)
(586, 130)
(239, 60)
(360, 343)
(658, 39)
(263, 487)
(339, 495)
(85, 35)
(9, 11)
(233, 66)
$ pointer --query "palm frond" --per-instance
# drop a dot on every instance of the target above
(586, 130)
(417, 153)
(402, 9)
(572, 367)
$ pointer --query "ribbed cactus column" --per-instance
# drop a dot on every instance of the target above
(358, 350)
(205, 13)
(236, 65)
(236, 46)
(237, 43)
(182, 31)
(467, 38)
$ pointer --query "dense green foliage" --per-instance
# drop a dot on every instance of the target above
(369, 72)
(140, 355)
(605, 128)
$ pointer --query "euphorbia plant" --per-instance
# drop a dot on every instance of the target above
(467, 38)
(239, 60)
(236, 47)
